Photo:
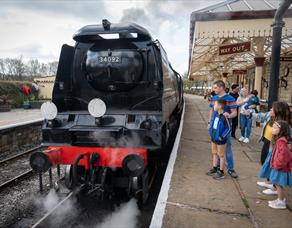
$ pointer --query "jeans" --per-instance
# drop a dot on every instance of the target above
(245, 126)
(265, 150)
(228, 154)
(234, 126)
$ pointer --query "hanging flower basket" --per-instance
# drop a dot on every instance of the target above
(26, 92)
(26, 105)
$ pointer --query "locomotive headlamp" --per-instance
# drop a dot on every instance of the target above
(133, 165)
(96, 107)
(49, 110)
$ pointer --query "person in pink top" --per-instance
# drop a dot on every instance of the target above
(281, 162)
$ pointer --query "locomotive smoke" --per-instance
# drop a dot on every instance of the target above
(126, 216)
(50, 201)
(107, 141)
(156, 12)
(126, 142)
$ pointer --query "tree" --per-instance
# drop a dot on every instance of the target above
(52, 68)
(187, 83)
(185, 75)
(44, 69)
(19, 67)
(2, 69)
(9, 66)
(16, 68)
(33, 67)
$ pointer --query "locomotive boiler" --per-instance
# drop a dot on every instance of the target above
(116, 101)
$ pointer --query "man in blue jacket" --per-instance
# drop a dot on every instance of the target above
(220, 128)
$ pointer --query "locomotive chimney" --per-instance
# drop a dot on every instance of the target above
(106, 24)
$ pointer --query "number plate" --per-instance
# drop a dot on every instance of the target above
(109, 59)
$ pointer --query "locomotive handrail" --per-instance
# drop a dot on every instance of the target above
(143, 101)
(98, 128)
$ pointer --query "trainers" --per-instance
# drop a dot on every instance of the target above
(246, 140)
(265, 184)
(278, 204)
(219, 175)
(274, 201)
(270, 192)
(212, 171)
(232, 173)
(241, 139)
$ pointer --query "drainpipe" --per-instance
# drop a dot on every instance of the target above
(277, 25)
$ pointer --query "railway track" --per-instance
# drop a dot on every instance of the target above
(6, 170)
(20, 154)
(45, 220)
(16, 179)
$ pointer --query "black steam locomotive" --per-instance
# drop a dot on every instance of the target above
(116, 100)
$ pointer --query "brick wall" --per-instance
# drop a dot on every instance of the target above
(14, 138)
(285, 94)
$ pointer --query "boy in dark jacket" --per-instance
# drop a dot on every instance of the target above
(219, 129)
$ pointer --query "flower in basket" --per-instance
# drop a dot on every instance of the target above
(26, 89)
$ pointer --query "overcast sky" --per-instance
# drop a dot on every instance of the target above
(38, 28)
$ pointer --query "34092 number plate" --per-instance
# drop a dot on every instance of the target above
(109, 59)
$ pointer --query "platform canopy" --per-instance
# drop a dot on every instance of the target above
(229, 36)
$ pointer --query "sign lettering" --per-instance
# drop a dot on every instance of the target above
(236, 72)
(234, 48)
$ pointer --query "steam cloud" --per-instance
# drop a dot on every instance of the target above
(50, 201)
(126, 216)
(169, 22)
(158, 11)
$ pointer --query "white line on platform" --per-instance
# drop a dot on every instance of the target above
(21, 123)
(159, 211)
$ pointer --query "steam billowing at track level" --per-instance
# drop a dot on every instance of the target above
(116, 103)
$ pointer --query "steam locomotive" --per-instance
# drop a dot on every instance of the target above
(116, 101)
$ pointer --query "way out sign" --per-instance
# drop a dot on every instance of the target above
(236, 72)
(234, 48)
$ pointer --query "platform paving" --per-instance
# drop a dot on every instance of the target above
(16, 116)
(197, 200)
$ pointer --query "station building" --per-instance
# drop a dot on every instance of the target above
(46, 85)
(232, 41)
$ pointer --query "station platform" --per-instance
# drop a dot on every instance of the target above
(19, 116)
(197, 200)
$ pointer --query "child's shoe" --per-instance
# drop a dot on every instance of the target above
(246, 140)
(274, 201)
(270, 192)
(219, 175)
(278, 204)
(241, 139)
(212, 171)
(265, 184)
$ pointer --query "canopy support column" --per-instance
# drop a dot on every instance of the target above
(259, 65)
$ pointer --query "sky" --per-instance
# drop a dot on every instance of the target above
(36, 29)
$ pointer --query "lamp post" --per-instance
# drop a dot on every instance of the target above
(277, 25)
